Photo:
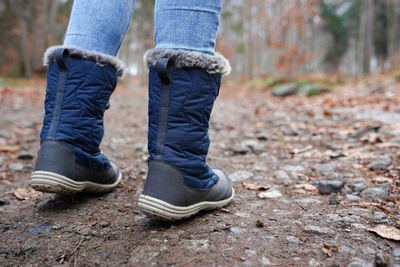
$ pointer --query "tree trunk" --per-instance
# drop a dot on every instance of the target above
(23, 17)
(368, 50)
(40, 32)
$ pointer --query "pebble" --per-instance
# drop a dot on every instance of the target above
(380, 164)
(26, 248)
(326, 167)
(373, 193)
(255, 146)
(238, 230)
(283, 178)
(307, 201)
(259, 224)
(16, 166)
(85, 230)
(239, 176)
(330, 186)
(265, 261)
(43, 229)
(104, 224)
(285, 90)
(240, 148)
(352, 198)
(268, 238)
(346, 250)
(273, 193)
(311, 229)
(357, 187)
(293, 239)
(333, 200)
(396, 252)
(5, 134)
(359, 263)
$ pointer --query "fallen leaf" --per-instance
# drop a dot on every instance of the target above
(388, 232)
(333, 247)
(269, 194)
(9, 148)
(301, 150)
(25, 194)
(381, 180)
(327, 252)
(308, 187)
(383, 209)
(256, 186)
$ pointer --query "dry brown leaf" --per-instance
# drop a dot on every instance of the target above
(25, 194)
(9, 148)
(333, 247)
(308, 187)
(301, 150)
(381, 180)
(256, 186)
(327, 252)
(388, 232)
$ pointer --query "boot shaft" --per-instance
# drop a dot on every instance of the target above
(77, 94)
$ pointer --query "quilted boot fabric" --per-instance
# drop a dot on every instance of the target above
(192, 95)
(85, 88)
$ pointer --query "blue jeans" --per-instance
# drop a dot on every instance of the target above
(100, 26)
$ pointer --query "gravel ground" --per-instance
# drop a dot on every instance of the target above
(314, 176)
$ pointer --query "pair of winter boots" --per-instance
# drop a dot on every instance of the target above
(182, 89)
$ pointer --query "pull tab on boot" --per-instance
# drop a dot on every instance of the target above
(62, 62)
(164, 70)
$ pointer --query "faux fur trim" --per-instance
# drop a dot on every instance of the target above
(100, 58)
(189, 59)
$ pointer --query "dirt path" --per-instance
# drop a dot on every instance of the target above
(350, 139)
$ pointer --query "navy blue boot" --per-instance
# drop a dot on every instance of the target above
(79, 85)
(182, 89)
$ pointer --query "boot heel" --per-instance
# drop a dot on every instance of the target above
(54, 183)
(50, 182)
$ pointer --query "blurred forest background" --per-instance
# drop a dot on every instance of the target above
(261, 38)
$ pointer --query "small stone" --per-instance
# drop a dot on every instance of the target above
(104, 224)
(239, 176)
(27, 124)
(259, 224)
(311, 229)
(43, 229)
(380, 164)
(293, 239)
(346, 250)
(26, 155)
(273, 193)
(26, 248)
(283, 178)
(357, 187)
(240, 148)
(396, 253)
(16, 166)
(373, 193)
(330, 186)
(265, 261)
(285, 90)
(85, 230)
(5, 134)
(326, 167)
(352, 198)
(307, 201)
(313, 263)
(333, 200)
(381, 259)
(238, 230)
(127, 205)
(268, 238)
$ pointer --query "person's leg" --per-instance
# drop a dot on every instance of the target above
(184, 80)
(82, 75)
(98, 25)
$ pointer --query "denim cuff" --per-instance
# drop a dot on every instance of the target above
(190, 59)
(99, 58)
